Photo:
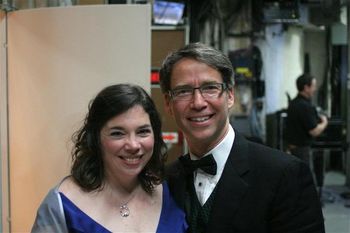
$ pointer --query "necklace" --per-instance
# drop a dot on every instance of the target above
(124, 208)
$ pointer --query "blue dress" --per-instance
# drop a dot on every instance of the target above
(172, 218)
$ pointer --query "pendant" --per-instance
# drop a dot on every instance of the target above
(124, 211)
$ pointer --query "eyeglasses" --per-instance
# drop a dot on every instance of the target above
(208, 91)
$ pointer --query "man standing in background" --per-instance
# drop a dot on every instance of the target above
(303, 123)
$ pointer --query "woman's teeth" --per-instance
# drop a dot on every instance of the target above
(132, 159)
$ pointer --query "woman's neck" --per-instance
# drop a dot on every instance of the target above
(125, 186)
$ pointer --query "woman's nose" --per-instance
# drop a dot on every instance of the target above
(132, 144)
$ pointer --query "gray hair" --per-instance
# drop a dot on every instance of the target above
(201, 53)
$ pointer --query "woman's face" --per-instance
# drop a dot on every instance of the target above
(127, 143)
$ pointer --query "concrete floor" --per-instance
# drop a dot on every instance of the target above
(336, 209)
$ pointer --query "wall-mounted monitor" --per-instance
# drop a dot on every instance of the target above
(168, 13)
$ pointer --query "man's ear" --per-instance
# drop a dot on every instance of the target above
(167, 104)
(231, 97)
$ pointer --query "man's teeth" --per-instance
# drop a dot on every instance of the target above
(199, 119)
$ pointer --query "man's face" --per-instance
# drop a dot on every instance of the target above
(204, 122)
(310, 90)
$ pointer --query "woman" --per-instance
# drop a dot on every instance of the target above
(117, 172)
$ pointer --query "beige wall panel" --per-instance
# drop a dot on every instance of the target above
(3, 128)
(59, 58)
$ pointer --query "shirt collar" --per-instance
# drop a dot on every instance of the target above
(221, 151)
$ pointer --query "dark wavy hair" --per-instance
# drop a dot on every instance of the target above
(87, 169)
(199, 52)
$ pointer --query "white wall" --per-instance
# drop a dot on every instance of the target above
(58, 59)
(282, 53)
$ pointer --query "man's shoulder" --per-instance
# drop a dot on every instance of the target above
(267, 165)
(262, 155)
(173, 168)
(300, 102)
(296, 102)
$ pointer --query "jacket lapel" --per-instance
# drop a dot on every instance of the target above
(231, 186)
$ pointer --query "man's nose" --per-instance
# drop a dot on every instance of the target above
(198, 100)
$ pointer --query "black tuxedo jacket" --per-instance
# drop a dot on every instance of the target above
(261, 190)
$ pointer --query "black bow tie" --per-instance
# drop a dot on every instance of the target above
(207, 164)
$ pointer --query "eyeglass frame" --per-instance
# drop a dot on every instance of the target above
(223, 87)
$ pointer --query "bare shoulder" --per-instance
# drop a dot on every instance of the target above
(156, 197)
(158, 190)
(69, 188)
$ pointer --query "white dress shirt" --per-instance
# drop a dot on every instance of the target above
(205, 183)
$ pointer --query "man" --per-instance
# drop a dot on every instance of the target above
(242, 186)
(303, 123)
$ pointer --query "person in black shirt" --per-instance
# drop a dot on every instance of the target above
(303, 123)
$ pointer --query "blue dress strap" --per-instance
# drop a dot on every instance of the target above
(172, 218)
(77, 220)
